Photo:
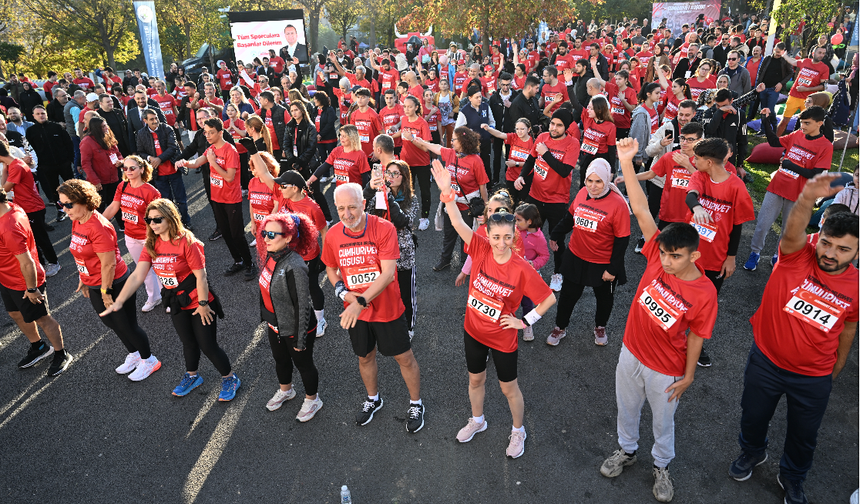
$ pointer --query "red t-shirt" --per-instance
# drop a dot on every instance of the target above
(369, 125)
(95, 236)
(809, 74)
(277, 63)
(348, 166)
(310, 208)
(433, 120)
(389, 79)
(597, 138)
(729, 204)
(417, 92)
(467, 173)
(696, 87)
(495, 290)
(596, 224)
(166, 104)
(225, 79)
(547, 185)
(266, 115)
(518, 151)
(173, 263)
(810, 154)
(672, 205)
(26, 194)
(489, 84)
(518, 82)
(803, 311)
(222, 191)
(47, 86)
(16, 238)
(236, 136)
(86, 83)
(654, 116)
(390, 117)
(266, 283)
(557, 92)
(166, 167)
(411, 154)
(670, 106)
(261, 200)
(460, 78)
(359, 260)
(132, 206)
(663, 308)
(620, 115)
(564, 62)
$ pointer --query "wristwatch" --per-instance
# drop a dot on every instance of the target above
(361, 301)
(33, 290)
(203, 303)
(109, 292)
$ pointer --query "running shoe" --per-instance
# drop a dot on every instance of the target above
(229, 386)
(215, 236)
(253, 243)
(60, 363)
(752, 261)
(280, 398)
(411, 334)
(517, 446)
(368, 409)
(442, 266)
(423, 224)
(472, 427)
(235, 268)
(414, 417)
(555, 282)
(704, 359)
(615, 464)
(35, 354)
(61, 216)
(187, 384)
(145, 368)
(774, 259)
(251, 272)
(793, 490)
(639, 245)
(309, 409)
(150, 305)
(321, 327)
(528, 333)
(663, 490)
(555, 336)
(130, 364)
(600, 338)
(742, 468)
(52, 269)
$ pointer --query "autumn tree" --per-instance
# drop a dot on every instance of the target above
(314, 8)
(815, 14)
(343, 15)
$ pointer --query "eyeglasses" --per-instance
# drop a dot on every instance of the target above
(67, 206)
(151, 220)
(393, 173)
(502, 216)
(286, 186)
(687, 139)
(731, 59)
(270, 234)
(130, 168)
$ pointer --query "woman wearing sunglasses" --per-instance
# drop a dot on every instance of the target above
(103, 273)
(177, 257)
(284, 240)
(599, 223)
(132, 197)
(500, 278)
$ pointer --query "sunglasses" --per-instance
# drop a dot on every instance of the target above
(731, 59)
(67, 206)
(502, 216)
(270, 234)
(150, 220)
(393, 173)
(286, 186)
(130, 168)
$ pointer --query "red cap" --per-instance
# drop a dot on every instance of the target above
(488, 68)
(461, 62)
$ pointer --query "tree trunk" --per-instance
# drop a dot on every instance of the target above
(485, 36)
(372, 37)
(313, 29)
(187, 28)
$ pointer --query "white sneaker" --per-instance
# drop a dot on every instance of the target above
(145, 368)
(309, 409)
(555, 282)
(51, 269)
(411, 334)
(528, 333)
(423, 224)
(278, 399)
(321, 326)
(323, 180)
(131, 362)
(167, 310)
(150, 305)
(253, 243)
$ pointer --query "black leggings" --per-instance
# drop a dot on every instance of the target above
(486, 148)
(196, 337)
(476, 359)
(124, 321)
(406, 280)
(43, 242)
(570, 294)
(655, 194)
(716, 279)
(552, 214)
(315, 266)
(422, 173)
(228, 218)
(286, 355)
(244, 170)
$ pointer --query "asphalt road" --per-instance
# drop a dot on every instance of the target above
(93, 436)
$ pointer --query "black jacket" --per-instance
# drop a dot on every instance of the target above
(53, 146)
(135, 124)
(786, 70)
(167, 140)
(306, 147)
(55, 112)
(327, 120)
(717, 126)
(277, 114)
(528, 108)
(501, 114)
(28, 100)
(117, 123)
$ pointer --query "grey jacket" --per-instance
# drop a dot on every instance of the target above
(291, 298)
(640, 129)
(740, 82)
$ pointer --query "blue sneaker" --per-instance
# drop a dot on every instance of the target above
(229, 387)
(187, 384)
(774, 259)
(752, 262)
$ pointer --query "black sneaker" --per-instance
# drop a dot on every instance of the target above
(639, 245)
(414, 417)
(742, 468)
(748, 178)
(442, 266)
(251, 273)
(368, 409)
(35, 354)
(793, 490)
(232, 270)
(704, 359)
(215, 236)
(60, 363)
(61, 216)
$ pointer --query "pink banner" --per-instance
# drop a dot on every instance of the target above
(678, 13)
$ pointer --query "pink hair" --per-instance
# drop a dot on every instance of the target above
(298, 226)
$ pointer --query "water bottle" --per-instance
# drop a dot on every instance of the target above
(345, 496)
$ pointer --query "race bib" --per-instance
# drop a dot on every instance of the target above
(518, 154)
(258, 217)
(707, 231)
(456, 188)
(681, 180)
(589, 148)
(167, 279)
(360, 277)
(789, 173)
(363, 138)
(129, 216)
(541, 170)
(657, 308)
(813, 310)
(585, 219)
(341, 176)
(113, 158)
(485, 306)
(803, 81)
(618, 110)
(216, 181)
(82, 267)
(433, 127)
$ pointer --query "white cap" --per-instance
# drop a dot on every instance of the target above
(92, 97)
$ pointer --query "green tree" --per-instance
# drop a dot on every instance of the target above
(314, 8)
(815, 14)
(343, 15)
(10, 53)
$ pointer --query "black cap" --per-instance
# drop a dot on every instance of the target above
(291, 177)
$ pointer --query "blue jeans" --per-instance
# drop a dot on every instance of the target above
(173, 188)
(768, 99)
(806, 398)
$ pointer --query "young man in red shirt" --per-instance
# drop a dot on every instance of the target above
(803, 332)
(553, 93)
(167, 103)
(658, 355)
(226, 79)
(390, 116)
(84, 82)
(812, 76)
(360, 253)
(366, 120)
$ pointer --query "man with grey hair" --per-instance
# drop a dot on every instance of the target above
(360, 253)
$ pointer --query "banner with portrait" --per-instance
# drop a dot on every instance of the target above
(679, 13)
(255, 33)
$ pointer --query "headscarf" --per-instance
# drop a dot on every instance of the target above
(601, 168)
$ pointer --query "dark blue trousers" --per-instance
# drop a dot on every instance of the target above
(764, 384)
